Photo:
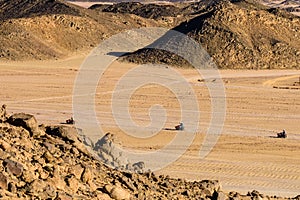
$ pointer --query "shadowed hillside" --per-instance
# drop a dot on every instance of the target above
(240, 34)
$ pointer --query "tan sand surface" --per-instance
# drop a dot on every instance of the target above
(246, 156)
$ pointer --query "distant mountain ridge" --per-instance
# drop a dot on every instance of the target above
(237, 34)
(30, 8)
(292, 6)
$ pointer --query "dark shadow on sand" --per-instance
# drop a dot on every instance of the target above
(170, 129)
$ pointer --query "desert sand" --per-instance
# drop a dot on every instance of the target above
(246, 157)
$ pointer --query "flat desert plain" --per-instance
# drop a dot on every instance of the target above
(247, 155)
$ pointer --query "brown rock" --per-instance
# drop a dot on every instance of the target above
(48, 157)
(3, 181)
(58, 182)
(7, 195)
(81, 147)
(4, 145)
(26, 121)
(221, 196)
(29, 176)
(43, 174)
(38, 159)
(210, 186)
(12, 188)
(72, 182)
(117, 192)
(21, 184)
(62, 196)
(92, 185)
(51, 148)
(14, 167)
(65, 132)
(3, 154)
(74, 151)
(37, 186)
(234, 195)
(77, 170)
(87, 175)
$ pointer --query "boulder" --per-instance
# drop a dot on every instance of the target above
(14, 167)
(3, 181)
(26, 121)
(87, 174)
(4, 145)
(72, 182)
(29, 176)
(76, 170)
(210, 186)
(117, 192)
(221, 196)
(37, 187)
(65, 132)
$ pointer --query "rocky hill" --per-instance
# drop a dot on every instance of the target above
(47, 29)
(239, 34)
(51, 162)
(156, 11)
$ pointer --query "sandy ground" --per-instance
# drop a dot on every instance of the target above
(246, 156)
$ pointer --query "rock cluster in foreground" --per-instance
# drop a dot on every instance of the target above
(51, 162)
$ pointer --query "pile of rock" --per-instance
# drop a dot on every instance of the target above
(51, 162)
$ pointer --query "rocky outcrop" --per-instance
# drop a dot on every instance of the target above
(26, 121)
(108, 151)
(52, 166)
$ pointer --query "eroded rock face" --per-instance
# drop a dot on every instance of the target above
(108, 151)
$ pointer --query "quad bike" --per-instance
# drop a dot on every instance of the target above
(179, 127)
(282, 134)
(70, 121)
